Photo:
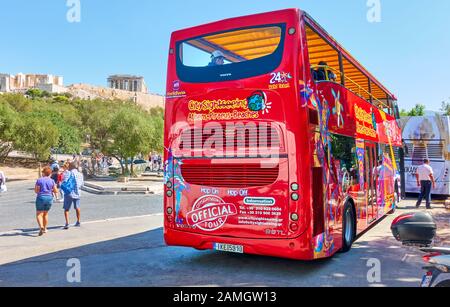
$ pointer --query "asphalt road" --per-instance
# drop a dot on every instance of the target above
(17, 207)
(114, 250)
(132, 253)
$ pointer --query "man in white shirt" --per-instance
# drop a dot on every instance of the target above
(425, 180)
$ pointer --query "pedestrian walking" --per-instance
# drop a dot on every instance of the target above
(159, 162)
(154, 162)
(55, 172)
(45, 189)
(426, 181)
(53, 163)
(3, 188)
(72, 184)
(61, 175)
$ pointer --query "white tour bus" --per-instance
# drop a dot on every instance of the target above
(427, 137)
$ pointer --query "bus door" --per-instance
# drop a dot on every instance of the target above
(371, 181)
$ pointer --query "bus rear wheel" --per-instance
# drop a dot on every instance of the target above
(348, 229)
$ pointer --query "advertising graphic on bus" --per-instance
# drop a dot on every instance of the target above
(278, 142)
(427, 137)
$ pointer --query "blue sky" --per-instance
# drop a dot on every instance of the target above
(408, 50)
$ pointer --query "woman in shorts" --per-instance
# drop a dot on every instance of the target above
(45, 189)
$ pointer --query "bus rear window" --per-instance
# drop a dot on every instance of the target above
(231, 55)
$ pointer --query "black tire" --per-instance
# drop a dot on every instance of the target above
(348, 228)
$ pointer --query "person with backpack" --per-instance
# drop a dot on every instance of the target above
(71, 186)
(61, 175)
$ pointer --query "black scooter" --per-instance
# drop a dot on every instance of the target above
(419, 230)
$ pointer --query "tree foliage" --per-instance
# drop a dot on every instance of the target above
(40, 122)
(8, 118)
(418, 110)
(131, 135)
(446, 107)
(36, 136)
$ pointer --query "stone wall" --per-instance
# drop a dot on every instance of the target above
(86, 91)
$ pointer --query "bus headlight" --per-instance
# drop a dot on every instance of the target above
(295, 197)
(169, 193)
(169, 184)
(294, 217)
(295, 187)
(169, 211)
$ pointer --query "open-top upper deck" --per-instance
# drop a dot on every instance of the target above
(324, 47)
(249, 40)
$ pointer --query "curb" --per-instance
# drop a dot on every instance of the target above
(98, 190)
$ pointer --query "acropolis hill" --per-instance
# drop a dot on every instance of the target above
(145, 100)
(123, 87)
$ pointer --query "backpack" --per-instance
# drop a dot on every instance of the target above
(68, 186)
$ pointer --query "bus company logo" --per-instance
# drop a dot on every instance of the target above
(176, 90)
(258, 102)
(280, 77)
(279, 80)
(176, 85)
(210, 213)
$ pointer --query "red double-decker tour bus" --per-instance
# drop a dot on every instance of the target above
(278, 142)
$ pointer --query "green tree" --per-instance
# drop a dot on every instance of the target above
(446, 107)
(8, 118)
(96, 117)
(60, 99)
(18, 102)
(404, 113)
(157, 143)
(418, 110)
(36, 136)
(34, 93)
(132, 134)
(69, 140)
(158, 112)
(43, 122)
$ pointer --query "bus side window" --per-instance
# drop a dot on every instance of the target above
(344, 151)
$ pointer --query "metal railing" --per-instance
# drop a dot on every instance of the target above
(361, 89)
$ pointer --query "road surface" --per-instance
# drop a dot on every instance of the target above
(121, 244)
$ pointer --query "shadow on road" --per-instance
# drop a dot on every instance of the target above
(31, 232)
(144, 260)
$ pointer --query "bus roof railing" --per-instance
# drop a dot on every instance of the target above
(311, 22)
(360, 88)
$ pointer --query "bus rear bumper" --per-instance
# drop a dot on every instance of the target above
(296, 249)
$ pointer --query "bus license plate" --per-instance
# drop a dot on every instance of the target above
(238, 249)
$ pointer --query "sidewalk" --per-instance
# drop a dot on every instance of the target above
(14, 174)
(147, 184)
(442, 218)
(20, 245)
